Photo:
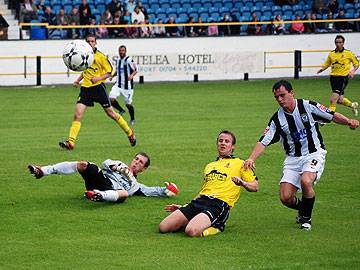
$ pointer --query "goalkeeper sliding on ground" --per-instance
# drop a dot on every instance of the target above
(114, 182)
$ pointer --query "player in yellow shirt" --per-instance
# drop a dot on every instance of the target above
(340, 61)
(224, 179)
(93, 90)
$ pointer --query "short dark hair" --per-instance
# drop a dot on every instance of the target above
(284, 83)
(147, 163)
(90, 35)
(341, 37)
(122, 46)
(229, 133)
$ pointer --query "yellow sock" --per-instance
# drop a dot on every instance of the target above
(346, 102)
(74, 130)
(210, 231)
(124, 126)
(332, 107)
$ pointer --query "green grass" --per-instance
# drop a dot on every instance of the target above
(47, 224)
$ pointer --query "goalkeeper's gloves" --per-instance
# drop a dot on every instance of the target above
(125, 171)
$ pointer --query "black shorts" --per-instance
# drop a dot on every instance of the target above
(338, 84)
(217, 210)
(95, 179)
(97, 93)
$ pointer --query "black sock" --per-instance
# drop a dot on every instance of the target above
(116, 105)
(306, 208)
(131, 111)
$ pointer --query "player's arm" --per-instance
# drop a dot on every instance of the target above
(134, 67)
(355, 64)
(343, 120)
(257, 151)
(101, 77)
(252, 186)
(113, 75)
(325, 65)
(77, 82)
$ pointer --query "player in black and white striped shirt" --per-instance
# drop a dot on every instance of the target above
(295, 124)
(126, 69)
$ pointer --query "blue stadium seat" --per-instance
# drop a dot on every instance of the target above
(276, 8)
(265, 18)
(186, 5)
(101, 8)
(267, 13)
(348, 6)
(300, 13)
(266, 8)
(215, 16)
(217, 5)
(201, 10)
(197, 5)
(207, 5)
(249, 4)
(56, 8)
(269, 3)
(288, 13)
(171, 10)
(245, 19)
(205, 16)
(155, 6)
(229, 5)
(307, 8)
(160, 10)
(238, 5)
(286, 8)
(162, 16)
(259, 5)
(194, 15)
(213, 9)
(297, 7)
(176, 5)
(37, 32)
(245, 9)
(349, 15)
(224, 10)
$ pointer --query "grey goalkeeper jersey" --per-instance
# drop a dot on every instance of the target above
(120, 181)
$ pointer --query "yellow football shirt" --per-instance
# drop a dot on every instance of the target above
(217, 179)
(340, 62)
(100, 66)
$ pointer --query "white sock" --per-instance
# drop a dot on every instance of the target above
(61, 168)
(109, 195)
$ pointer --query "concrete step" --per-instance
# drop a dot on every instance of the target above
(14, 29)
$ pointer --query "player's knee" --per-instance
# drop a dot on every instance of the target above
(164, 227)
(192, 231)
(82, 166)
(286, 199)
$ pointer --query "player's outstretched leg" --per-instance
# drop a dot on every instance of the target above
(36, 171)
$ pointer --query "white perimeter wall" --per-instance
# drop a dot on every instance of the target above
(172, 46)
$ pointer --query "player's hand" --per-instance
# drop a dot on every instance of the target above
(351, 74)
(238, 181)
(130, 78)
(124, 170)
(94, 79)
(353, 124)
(319, 71)
(249, 164)
(110, 78)
(76, 83)
(172, 207)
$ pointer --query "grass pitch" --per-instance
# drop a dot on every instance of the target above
(47, 224)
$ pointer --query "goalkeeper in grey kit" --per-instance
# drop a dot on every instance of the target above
(114, 182)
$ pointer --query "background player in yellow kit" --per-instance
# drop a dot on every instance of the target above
(93, 90)
(340, 61)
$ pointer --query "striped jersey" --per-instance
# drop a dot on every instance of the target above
(340, 62)
(124, 67)
(298, 131)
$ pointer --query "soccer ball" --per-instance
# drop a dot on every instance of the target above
(171, 189)
(78, 55)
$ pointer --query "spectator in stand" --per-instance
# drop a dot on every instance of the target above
(333, 6)
(49, 17)
(132, 31)
(107, 17)
(309, 27)
(40, 4)
(213, 29)
(84, 20)
(62, 19)
(172, 31)
(279, 26)
(320, 6)
(84, 5)
(343, 26)
(103, 32)
(143, 10)
(297, 27)
(146, 30)
(130, 6)
(199, 29)
(126, 19)
(92, 31)
(190, 30)
(224, 30)
(3, 28)
(116, 32)
(252, 29)
(234, 29)
(74, 16)
(115, 6)
(138, 16)
(28, 11)
(159, 31)
(329, 26)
